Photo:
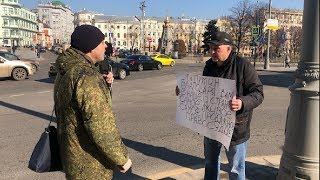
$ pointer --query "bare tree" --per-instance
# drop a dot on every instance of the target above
(277, 42)
(240, 20)
(295, 40)
(134, 34)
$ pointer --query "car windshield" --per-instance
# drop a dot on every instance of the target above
(153, 55)
(10, 56)
(133, 57)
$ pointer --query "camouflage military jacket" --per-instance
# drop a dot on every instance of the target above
(90, 143)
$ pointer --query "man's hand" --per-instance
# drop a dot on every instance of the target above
(125, 167)
(235, 104)
(108, 78)
(177, 91)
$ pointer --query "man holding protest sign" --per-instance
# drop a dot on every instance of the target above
(225, 63)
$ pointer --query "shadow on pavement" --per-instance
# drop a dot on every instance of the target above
(128, 175)
(46, 80)
(278, 80)
(256, 171)
(27, 111)
(166, 154)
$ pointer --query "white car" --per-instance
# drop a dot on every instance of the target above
(18, 70)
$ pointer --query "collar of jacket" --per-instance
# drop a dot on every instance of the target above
(83, 54)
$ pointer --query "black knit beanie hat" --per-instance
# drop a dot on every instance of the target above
(86, 37)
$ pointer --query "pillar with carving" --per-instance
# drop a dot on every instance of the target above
(300, 158)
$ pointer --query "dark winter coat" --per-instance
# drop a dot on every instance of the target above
(90, 143)
(249, 90)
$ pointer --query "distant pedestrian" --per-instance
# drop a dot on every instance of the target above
(287, 61)
(225, 63)
(38, 50)
(14, 49)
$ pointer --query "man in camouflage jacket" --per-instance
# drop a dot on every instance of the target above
(89, 140)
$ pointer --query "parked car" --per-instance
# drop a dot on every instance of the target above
(164, 59)
(9, 56)
(140, 62)
(124, 54)
(119, 70)
(15, 69)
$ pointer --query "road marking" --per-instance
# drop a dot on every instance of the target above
(41, 92)
(16, 95)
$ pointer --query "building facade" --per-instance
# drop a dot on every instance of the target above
(60, 18)
(84, 17)
(135, 33)
(18, 25)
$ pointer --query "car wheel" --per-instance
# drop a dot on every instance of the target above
(140, 67)
(172, 63)
(19, 74)
(159, 66)
(34, 68)
(122, 74)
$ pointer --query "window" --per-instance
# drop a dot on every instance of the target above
(125, 35)
(118, 35)
(118, 43)
(118, 27)
(124, 43)
(5, 10)
(124, 27)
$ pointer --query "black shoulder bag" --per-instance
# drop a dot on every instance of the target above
(46, 156)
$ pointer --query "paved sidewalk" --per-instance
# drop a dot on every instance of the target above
(27, 53)
(260, 167)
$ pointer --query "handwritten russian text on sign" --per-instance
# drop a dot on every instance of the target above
(203, 106)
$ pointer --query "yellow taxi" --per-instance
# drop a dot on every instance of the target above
(164, 59)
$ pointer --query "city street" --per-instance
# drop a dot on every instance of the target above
(145, 107)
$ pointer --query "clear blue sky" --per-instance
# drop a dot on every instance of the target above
(202, 9)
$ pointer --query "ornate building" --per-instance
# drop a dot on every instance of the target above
(125, 32)
(18, 25)
(60, 18)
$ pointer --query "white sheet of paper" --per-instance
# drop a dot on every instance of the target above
(203, 106)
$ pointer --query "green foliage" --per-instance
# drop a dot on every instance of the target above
(58, 3)
(182, 49)
(209, 34)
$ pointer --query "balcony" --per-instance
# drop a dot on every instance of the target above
(11, 4)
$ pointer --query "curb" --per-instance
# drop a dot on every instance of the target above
(192, 173)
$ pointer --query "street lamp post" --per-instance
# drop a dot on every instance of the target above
(267, 60)
(142, 6)
(300, 158)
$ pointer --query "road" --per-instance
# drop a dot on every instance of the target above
(145, 105)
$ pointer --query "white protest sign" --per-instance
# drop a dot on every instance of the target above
(203, 106)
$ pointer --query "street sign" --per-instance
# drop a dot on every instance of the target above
(260, 39)
(255, 30)
(283, 37)
(272, 24)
